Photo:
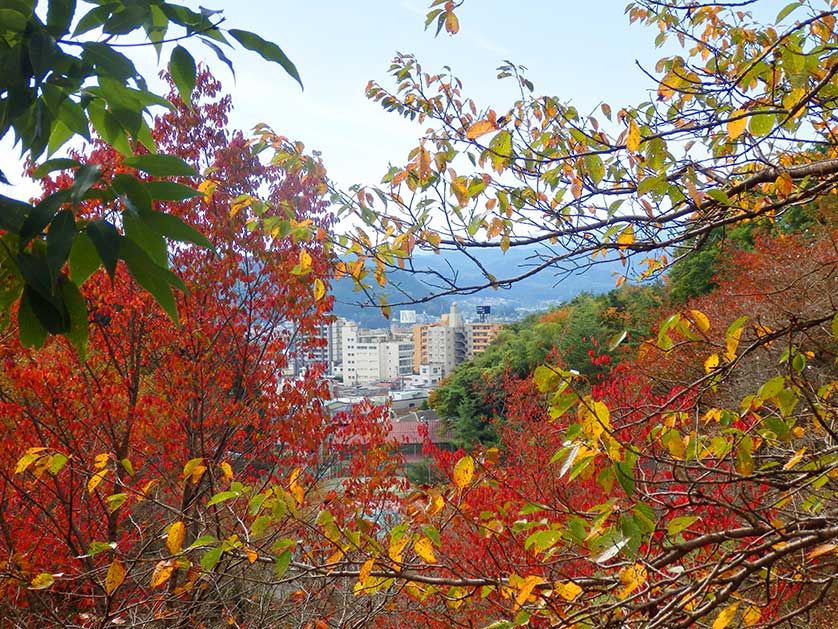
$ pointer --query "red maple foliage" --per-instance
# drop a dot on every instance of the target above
(133, 482)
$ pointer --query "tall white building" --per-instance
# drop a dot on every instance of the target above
(373, 355)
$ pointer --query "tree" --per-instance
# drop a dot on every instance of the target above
(64, 72)
(172, 474)
(713, 499)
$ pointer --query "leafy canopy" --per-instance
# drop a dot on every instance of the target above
(67, 69)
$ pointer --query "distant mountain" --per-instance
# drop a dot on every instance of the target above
(547, 287)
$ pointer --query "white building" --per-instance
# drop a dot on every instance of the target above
(373, 355)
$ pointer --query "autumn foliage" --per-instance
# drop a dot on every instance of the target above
(136, 479)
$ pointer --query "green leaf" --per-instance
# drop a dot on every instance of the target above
(282, 563)
(13, 214)
(61, 163)
(99, 547)
(30, 330)
(125, 21)
(173, 227)
(151, 241)
(595, 167)
(787, 10)
(154, 278)
(57, 462)
(761, 125)
(161, 165)
(92, 19)
(772, 387)
(679, 524)
(108, 62)
(268, 50)
(86, 176)
(41, 216)
(644, 517)
(170, 191)
(106, 239)
(625, 476)
(59, 16)
(211, 558)
(108, 127)
(221, 497)
(134, 191)
(77, 311)
(62, 229)
(183, 71)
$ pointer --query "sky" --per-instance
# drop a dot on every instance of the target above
(583, 52)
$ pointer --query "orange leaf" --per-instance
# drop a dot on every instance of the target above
(452, 24)
(481, 127)
(162, 571)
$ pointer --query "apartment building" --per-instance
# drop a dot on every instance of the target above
(449, 341)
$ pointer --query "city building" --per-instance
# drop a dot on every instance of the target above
(450, 341)
(373, 355)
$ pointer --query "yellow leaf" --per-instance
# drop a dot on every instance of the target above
(115, 576)
(732, 343)
(207, 187)
(190, 466)
(305, 261)
(162, 571)
(568, 591)
(226, 470)
(319, 289)
(701, 320)
(94, 481)
(435, 504)
(526, 588)
(252, 555)
(198, 472)
(101, 460)
(595, 418)
(794, 460)
(821, 550)
(464, 472)
(633, 137)
(452, 24)
(396, 549)
(365, 571)
(32, 455)
(239, 205)
(626, 237)
(425, 549)
(751, 616)
(711, 363)
(723, 619)
(294, 486)
(479, 128)
(736, 127)
(174, 540)
(632, 577)
(713, 415)
(42, 581)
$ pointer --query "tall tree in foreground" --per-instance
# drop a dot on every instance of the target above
(144, 481)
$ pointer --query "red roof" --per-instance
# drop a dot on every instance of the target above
(408, 432)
